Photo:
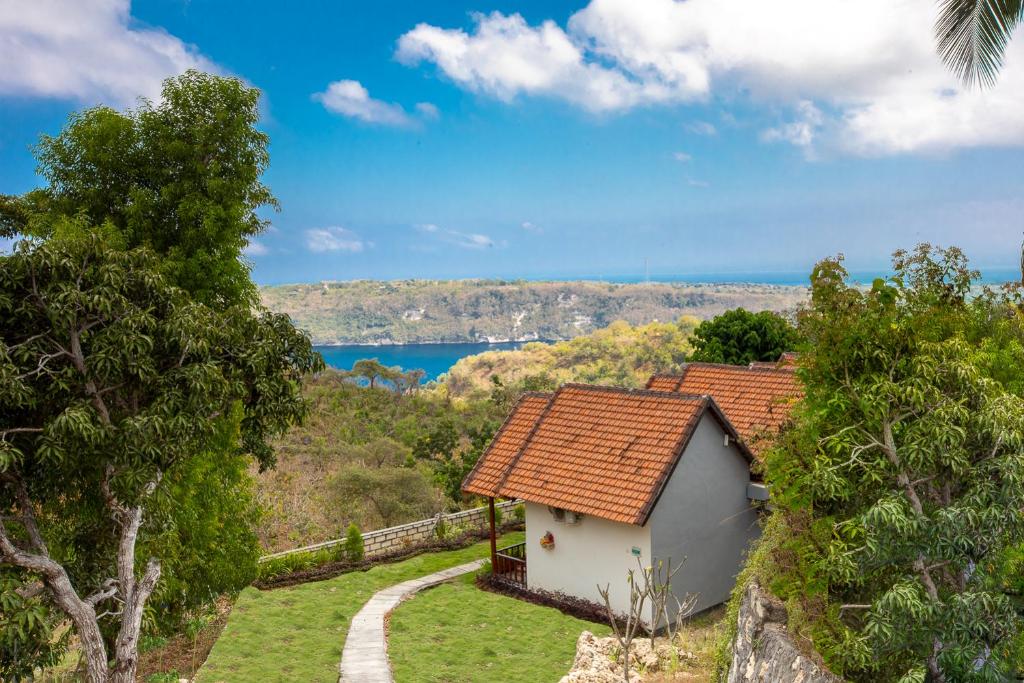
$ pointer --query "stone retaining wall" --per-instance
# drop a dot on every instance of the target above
(762, 651)
(394, 538)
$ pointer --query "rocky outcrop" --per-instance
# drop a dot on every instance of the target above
(598, 660)
(763, 652)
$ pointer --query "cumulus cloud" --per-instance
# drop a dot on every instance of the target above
(857, 77)
(255, 248)
(506, 57)
(351, 99)
(682, 157)
(89, 50)
(530, 227)
(322, 240)
(801, 131)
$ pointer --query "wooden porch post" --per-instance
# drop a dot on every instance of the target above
(494, 537)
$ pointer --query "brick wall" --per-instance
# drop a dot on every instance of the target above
(394, 538)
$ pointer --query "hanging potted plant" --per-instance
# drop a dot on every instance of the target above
(547, 540)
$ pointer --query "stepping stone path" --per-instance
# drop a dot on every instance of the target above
(365, 657)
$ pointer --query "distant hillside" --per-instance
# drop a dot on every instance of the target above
(423, 311)
(618, 355)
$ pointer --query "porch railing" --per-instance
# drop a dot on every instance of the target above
(511, 564)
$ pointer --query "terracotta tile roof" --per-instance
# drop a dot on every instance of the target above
(492, 466)
(787, 361)
(756, 399)
(605, 451)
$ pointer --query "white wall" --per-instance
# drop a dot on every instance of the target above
(591, 552)
(704, 515)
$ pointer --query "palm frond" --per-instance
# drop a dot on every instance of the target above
(972, 37)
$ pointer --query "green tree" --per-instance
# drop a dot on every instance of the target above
(972, 36)
(353, 547)
(393, 494)
(180, 176)
(739, 337)
(372, 370)
(902, 483)
(203, 527)
(113, 381)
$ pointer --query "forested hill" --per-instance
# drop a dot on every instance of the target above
(422, 311)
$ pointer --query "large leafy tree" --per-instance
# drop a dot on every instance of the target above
(739, 337)
(902, 484)
(972, 36)
(114, 381)
(180, 176)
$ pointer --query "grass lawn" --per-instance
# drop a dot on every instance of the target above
(457, 632)
(297, 633)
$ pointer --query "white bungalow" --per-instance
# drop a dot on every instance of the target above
(610, 475)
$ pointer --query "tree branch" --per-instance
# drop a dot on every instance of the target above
(78, 359)
(889, 447)
(20, 430)
(28, 518)
(106, 591)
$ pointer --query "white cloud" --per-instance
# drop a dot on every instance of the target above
(701, 128)
(428, 110)
(255, 248)
(694, 182)
(682, 157)
(506, 57)
(351, 99)
(530, 227)
(469, 240)
(802, 131)
(333, 239)
(465, 240)
(88, 50)
(857, 77)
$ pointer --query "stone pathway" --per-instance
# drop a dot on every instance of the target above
(365, 657)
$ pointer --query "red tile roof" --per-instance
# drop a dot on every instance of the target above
(756, 399)
(490, 469)
(603, 451)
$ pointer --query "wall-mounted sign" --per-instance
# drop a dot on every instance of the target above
(635, 551)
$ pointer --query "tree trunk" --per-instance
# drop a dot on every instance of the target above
(935, 673)
(81, 612)
(134, 593)
(83, 616)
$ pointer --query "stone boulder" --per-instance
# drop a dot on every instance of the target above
(598, 660)
(763, 652)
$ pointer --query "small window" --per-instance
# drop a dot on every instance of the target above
(557, 513)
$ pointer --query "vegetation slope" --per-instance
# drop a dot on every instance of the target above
(420, 311)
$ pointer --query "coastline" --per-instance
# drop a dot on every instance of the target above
(480, 342)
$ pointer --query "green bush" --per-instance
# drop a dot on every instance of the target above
(441, 529)
(354, 550)
(521, 512)
(295, 562)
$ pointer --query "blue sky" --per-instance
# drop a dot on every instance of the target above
(527, 139)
